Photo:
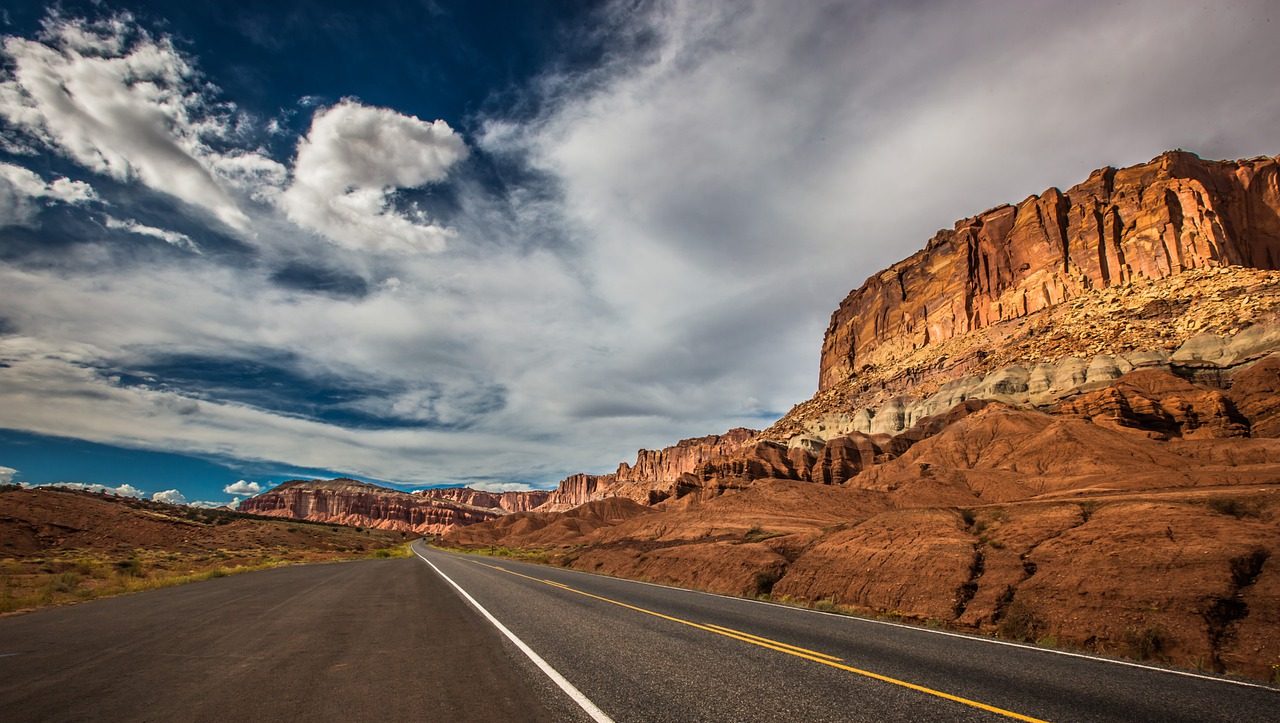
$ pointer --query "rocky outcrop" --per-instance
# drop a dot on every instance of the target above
(1209, 358)
(1150, 221)
(666, 465)
(1255, 392)
(516, 501)
(348, 502)
(577, 489)
(655, 474)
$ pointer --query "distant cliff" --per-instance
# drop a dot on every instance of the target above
(506, 501)
(1150, 221)
(652, 475)
(348, 502)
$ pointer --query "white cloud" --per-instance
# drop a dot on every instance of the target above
(174, 238)
(121, 102)
(6, 475)
(172, 497)
(124, 490)
(19, 187)
(243, 487)
(206, 504)
(501, 486)
(351, 160)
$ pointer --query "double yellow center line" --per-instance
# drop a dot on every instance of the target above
(799, 652)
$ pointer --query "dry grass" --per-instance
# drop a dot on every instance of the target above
(70, 576)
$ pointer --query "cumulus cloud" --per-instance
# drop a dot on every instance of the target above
(174, 238)
(349, 163)
(6, 475)
(124, 490)
(243, 487)
(121, 102)
(172, 497)
(20, 187)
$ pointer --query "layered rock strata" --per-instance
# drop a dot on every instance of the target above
(515, 501)
(1146, 222)
(348, 502)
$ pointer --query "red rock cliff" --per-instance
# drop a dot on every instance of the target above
(576, 490)
(348, 502)
(506, 501)
(687, 455)
(1153, 220)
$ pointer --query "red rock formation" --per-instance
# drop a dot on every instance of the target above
(507, 501)
(667, 464)
(348, 502)
(1158, 401)
(1153, 220)
(1255, 391)
(577, 489)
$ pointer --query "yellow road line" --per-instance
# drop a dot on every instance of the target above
(723, 629)
(824, 659)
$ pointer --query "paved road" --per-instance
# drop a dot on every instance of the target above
(648, 653)
(396, 640)
(384, 640)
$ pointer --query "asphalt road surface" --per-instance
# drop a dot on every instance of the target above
(374, 640)
(649, 653)
(462, 638)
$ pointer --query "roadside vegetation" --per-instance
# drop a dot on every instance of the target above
(76, 575)
(59, 547)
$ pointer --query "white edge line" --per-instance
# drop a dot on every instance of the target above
(583, 701)
(920, 629)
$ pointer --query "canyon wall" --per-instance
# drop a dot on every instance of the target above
(1145, 222)
(652, 476)
(348, 502)
(507, 501)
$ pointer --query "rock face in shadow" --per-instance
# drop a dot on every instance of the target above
(1150, 221)
(1255, 392)
(348, 502)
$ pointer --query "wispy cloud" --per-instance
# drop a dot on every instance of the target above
(20, 188)
(119, 101)
(181, 240)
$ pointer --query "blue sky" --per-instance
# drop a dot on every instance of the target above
(498, 243)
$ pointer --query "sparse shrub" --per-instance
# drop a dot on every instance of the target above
(826, 605)
(132, 567)
(967, 516)
(290, 529)
(66, 582)
(1147, 642)
(758, 534)
(1020, 622)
